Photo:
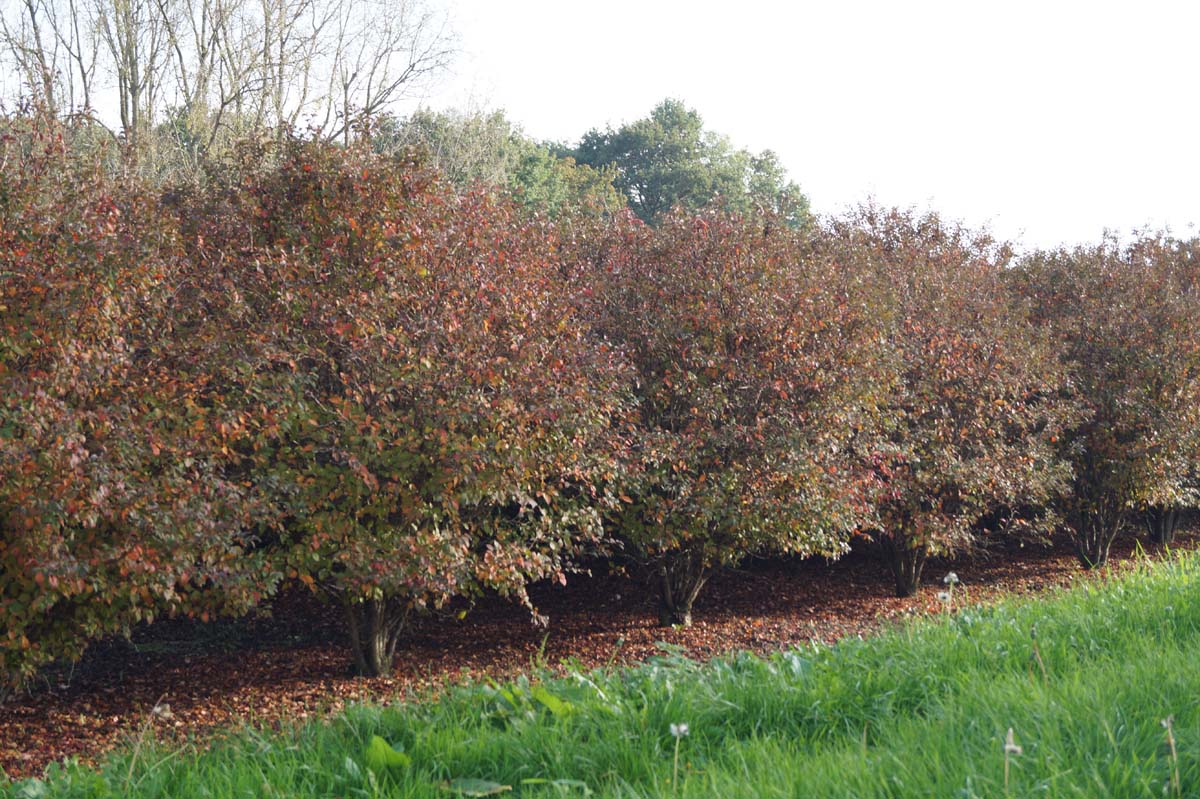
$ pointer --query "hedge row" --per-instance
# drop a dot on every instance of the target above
(326, 366)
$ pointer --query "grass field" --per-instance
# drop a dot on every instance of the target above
(1085, 680)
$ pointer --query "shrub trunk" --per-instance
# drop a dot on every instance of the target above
(907, 560)
(681, 576)
(375, 628)
(1161, 524)
(1094, 532)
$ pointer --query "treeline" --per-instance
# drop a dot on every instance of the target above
(184, 80)
(332, 366)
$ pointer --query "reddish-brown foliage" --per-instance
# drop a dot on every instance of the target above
(428, 414)
(748, 353)
(323, 367)
(1127, 329)
(967, 404)
(113, 505)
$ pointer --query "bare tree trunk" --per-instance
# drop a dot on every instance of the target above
(133, 34)
(82, 48)
(907, 559)
(45, 68)
(681, 575)
(375, 626)
(1161, 524)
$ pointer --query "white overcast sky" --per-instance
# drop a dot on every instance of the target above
(1045, 121)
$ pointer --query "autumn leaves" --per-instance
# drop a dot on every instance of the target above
(329, 368)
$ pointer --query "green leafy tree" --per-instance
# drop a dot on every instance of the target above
(669, 159)
(747, 355)
(1125, 322)
(487, 148)
(968, 405)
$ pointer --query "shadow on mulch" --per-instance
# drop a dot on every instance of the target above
(292, 664)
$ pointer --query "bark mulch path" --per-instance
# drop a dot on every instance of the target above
(293, 665)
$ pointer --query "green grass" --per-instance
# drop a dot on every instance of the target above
(921, 711)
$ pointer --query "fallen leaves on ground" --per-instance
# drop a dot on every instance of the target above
(293, 665)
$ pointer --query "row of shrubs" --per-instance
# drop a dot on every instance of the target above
(324, 366)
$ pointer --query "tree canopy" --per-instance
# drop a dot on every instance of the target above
(669, 159)
(967, 405)
(486, 148)
(428, 415)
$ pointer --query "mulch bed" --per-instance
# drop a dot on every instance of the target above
(292, 665)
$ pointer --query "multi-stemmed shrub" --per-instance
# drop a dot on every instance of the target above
(328, 366)
(967, 402)
(747, 354)
(114, 501)
(1127, 329)
(430, 418)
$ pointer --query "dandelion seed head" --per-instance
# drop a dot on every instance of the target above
(1010, 744)
(679, 730)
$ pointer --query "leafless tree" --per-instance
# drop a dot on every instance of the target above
(207, 67)
(134, 35)
(34, 50)
(380, 49)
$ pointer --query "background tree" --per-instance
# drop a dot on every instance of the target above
(193, 74)
(484, 147)
(746, 353)
(669, 159)
(431, 417)
(51, 50)
(968, 406)
(1127, 330)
